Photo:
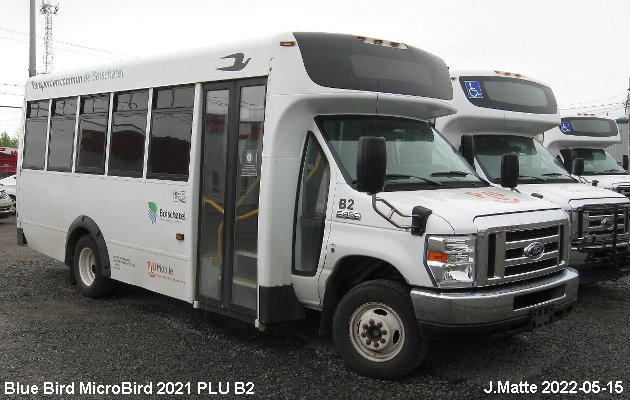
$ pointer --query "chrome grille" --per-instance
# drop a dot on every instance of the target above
(507, 259)
(624, 189)
(601, 225)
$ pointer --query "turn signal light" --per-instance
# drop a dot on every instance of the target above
(503, 73)
(437, 256)
(287, 43)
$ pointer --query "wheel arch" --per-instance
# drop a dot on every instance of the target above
(85, 225)
(349, 272)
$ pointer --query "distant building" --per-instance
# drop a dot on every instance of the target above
(618, 150)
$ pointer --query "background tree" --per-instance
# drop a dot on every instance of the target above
(8, 141)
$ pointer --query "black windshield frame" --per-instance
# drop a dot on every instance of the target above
(613, 130)
(328, 59)
(486, 102)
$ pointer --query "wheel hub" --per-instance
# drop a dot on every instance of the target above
(376, 331)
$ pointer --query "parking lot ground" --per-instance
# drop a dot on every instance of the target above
(49, 332)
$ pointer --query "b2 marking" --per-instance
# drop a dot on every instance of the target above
(346, 204)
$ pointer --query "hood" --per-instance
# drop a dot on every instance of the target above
(609, 181)
(563, 194)
(461, 206)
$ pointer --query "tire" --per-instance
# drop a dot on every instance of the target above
(397, 351)
(87, 269)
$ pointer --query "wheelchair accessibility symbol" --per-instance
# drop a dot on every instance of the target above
(565, 127)
(473, 89)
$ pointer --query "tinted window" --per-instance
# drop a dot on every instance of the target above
(35, 135)
(129, 123)
(598, 162)
(310, 216)
(346, 62)
(171, 127)
(594, 127)
(61, 144)
(509, 94)
(92, 134)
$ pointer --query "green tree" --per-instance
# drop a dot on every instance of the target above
(8, 141)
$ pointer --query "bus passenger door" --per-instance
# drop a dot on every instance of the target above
(231, 160)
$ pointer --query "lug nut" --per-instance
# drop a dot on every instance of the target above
(376, 344)
(380, 324)
(384, 332)
(382, 340)
(363, 334)
(364, 326)
(368, 342)
(371, 322)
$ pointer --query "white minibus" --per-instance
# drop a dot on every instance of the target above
(258, 179)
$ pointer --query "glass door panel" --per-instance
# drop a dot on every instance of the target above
(213, 185)
(247, 182)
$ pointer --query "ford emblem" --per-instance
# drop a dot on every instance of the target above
(608, 222)
(534, 250)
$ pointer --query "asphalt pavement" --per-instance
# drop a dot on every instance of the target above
(50, 333)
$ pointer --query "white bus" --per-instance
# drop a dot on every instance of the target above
(587, 137)
(258, 179)
(501, 113)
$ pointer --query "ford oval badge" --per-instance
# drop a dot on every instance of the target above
(534, 250)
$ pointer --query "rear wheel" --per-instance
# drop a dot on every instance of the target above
(376, 331)
(87, 269)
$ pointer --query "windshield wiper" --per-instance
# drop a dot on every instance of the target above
(452, 173)
(403, 176)
(537, 178)
(611, 170)
(556, 174)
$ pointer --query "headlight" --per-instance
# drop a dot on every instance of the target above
(451, 260)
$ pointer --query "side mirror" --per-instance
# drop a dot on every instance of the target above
(567, 159)
(625, 163)
(578, 166)
(509, 171)
(371, 164)
(467, 149)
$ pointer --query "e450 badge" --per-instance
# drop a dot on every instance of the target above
(345, 214)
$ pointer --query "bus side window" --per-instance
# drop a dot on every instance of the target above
(129, 126)
(171, 128)
(60, 146)
(35, 134)
(93, 122)
(310, 216)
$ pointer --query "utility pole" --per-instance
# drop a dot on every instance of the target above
(32, 57)
(48, 10)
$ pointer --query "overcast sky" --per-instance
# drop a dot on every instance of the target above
(581, 48)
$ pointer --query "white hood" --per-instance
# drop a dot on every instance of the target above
(608, 181)
(564, 194)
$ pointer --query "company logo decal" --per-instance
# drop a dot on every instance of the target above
(152, 212)
(162, 271)
(534, 250)
(238, 62)
(496, 196)
(473, 89)
(156, 212)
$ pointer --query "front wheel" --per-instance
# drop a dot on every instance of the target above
(376, 331)
(87, 269)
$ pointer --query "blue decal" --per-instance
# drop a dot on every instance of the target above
(565, 127)
(473, 89)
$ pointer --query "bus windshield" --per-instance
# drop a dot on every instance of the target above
(536, 164)
(417, 156)
(598, 162)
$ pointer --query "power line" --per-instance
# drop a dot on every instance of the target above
(10, 106)
(10, 84)
(73, 44)
(62, 49)
(591, 106)
(591, 101)
(12, 94)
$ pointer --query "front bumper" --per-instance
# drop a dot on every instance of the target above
(492, 312)
(599, 265)
(5, 210)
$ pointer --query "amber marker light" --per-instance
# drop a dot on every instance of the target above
(437, 256)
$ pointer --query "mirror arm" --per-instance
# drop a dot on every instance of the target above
(392, 210)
